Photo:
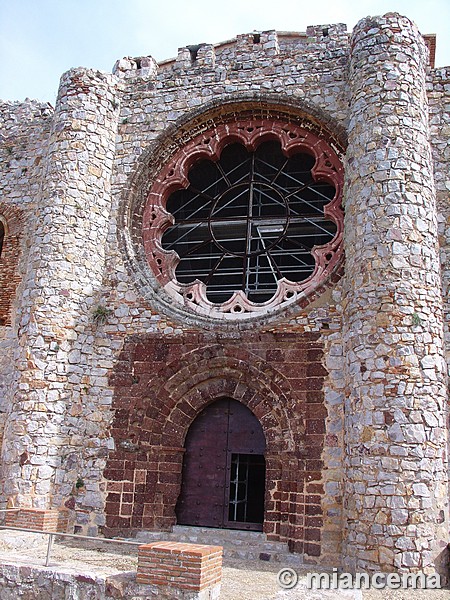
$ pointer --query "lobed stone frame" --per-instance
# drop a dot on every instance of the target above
(209, 145)
(12, 220)
(162, 385)
(226, 111)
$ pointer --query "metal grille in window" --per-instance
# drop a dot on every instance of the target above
(245, 218)
(248, 220)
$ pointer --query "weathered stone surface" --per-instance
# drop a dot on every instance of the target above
(392, 274)
(85, 339)
(60, 583)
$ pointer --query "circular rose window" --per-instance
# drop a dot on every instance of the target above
(245, 218)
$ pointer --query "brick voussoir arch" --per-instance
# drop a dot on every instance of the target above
(178, 371)
(174, 375)
(209, 384)
(177, 382)
(185, 386)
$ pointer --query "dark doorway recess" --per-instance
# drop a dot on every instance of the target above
(224, 469)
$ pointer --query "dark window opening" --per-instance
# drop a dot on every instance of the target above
(193, 50)
(325, 32)
(2, 236)
(249, 220)
(256, 38)
(247, 481)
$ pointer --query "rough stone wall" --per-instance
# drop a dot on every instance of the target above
(439, 110)
(7, 375)
(396, 500)
(310, 72)
(151, 101)
(23, 139)
(439, 103)
(81, 305)
(23, 142)
(64, 274)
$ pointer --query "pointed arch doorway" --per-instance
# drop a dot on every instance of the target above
(223, 482)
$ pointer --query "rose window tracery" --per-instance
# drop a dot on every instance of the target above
(245, 218)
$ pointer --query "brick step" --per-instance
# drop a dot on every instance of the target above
(237, 544)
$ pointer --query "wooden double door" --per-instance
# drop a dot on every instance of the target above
(223, 481)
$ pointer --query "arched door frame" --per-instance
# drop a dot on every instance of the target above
(223, 476)
(161, 387)
(266, 400)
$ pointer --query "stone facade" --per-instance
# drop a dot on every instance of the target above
(102, 372)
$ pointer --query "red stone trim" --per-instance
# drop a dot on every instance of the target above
(192, 567)
(13, 220)
(430, 42)
(208, 145)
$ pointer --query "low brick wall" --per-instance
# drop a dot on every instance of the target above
(192, 567)
(39, 519)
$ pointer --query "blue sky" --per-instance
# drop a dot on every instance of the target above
(41, 39)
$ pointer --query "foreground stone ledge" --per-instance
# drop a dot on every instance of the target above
(60, 583)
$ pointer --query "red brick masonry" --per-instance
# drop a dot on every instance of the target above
(40, 519)
(161, 385)
(191, 567)
(9, 259)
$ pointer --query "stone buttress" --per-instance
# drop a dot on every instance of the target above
(64, 274)
(396, 492)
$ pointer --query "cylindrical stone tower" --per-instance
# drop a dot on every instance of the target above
(396, 495)
(64, 276)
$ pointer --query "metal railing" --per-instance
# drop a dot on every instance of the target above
(53, 534)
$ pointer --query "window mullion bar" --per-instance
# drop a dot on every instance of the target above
(270, 260)
(279, 170)
(248, 240)
(197, 247)
(216, 266)
(222, 172)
